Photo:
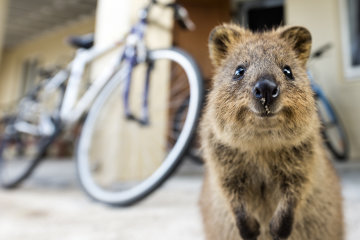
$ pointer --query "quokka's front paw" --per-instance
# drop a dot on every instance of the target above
(281, 225)
(249, 227)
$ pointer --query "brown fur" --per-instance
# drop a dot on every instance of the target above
(266, 177)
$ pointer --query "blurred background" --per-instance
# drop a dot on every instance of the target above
(33, 33)
(33, 37)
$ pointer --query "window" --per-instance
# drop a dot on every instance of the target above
(259, 15)
(351, 37)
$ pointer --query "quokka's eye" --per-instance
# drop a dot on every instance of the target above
(239, 73)
(287, 72)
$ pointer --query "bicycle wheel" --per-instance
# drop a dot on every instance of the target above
(26, 135)
(332, 129)
(121, 161)
(5, 121)
(20, 153)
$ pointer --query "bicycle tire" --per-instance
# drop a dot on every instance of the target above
(151, 180)
(15, 167)
(333, 131)
(29, 165)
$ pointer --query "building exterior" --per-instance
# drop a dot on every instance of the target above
(330, 21)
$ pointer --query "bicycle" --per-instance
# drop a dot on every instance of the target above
(109, 98)
(332, 130)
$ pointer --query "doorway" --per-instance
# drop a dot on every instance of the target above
(260, 15)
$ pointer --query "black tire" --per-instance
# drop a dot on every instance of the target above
(21, 152)
(333, 131)
(128, 178)
(17, 166)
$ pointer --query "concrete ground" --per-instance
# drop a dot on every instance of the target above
(51, 206)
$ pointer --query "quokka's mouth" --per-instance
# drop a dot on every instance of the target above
(265, 111)
(265, 114)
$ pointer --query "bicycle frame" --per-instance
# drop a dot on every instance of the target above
(319, 93)
(72, 109)
(72, 105)
(133, 52)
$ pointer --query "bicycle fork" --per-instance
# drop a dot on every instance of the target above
(144, 119)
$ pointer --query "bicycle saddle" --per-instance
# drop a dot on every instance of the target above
(84, 41)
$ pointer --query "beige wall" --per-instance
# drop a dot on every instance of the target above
(322, 18)
(3, 11)
(49, 48)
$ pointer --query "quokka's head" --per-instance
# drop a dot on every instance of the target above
(260, 88)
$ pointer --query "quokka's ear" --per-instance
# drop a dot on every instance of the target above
(220, 40)
(299, 39)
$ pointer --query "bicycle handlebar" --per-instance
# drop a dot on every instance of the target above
(320, 51)
(180, 13)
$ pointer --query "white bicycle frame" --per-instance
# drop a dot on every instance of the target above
(72, 108)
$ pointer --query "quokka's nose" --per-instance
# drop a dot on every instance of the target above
(266, 91)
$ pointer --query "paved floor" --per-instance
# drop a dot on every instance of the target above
(51, 206)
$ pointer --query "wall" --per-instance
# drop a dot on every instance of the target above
(206, 15)
(3, 8)
(50, 48)
(322, 18)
